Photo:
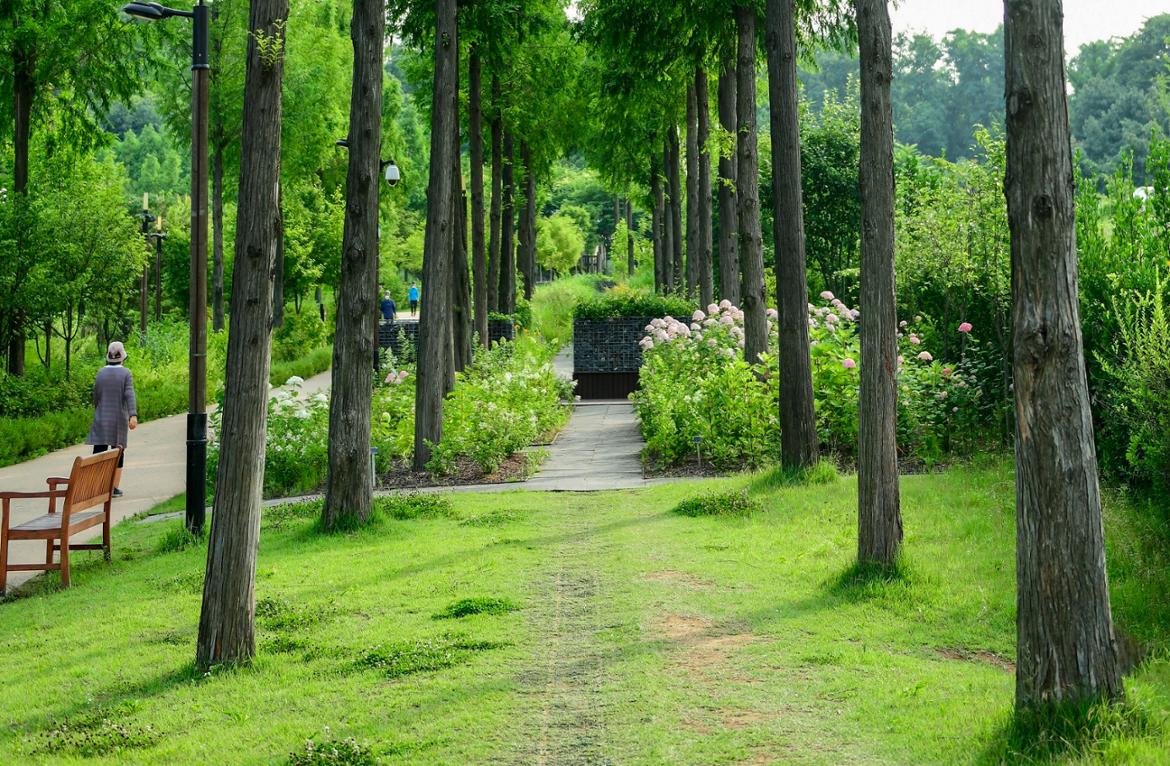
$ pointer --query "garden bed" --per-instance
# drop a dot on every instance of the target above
(518, 467)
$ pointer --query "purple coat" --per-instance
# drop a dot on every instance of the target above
(114, 405)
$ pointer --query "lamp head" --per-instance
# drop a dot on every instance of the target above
(144, 11)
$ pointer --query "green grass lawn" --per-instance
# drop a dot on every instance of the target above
(575, 629)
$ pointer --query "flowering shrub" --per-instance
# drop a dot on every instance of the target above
(695, 384)
(507, 399)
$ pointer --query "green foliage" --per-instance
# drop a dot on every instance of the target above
(559, 243)
(617, 304)
(334, 752)
(553, 305)
(732, 503)
(301, 334)
(413, 505)
(98, 733)
(477, 605)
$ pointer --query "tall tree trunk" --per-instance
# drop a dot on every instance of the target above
(676, 202)
(529, 262)
(462, 318)
(493, 272)
(507, 231)
(278, 267)
(217, 237)
(349, 485)
(23, 93)
(227, 618)
(798, 428)
(879, 518)
(434, 342)
(478, 250)
(703, 125)
(1066, 647)
(631, 265)
(48, 329)
(729, 280)
(751, 246)
(158, 248)
(668, 231)
(658, 224)
(143, 300)
(694, 241)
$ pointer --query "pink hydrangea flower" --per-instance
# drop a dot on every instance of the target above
(915, 340)
(903, 323)
(711, 342)
(965, 327)
(826, 295)
(726, 319)
(713, 308)
(698, 316)
(830, 319)
(925, 357)
(724, 304)
(848, 363)
(946, 371)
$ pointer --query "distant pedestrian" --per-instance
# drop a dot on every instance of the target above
(389, 309)
(412, 296)
(115, 409)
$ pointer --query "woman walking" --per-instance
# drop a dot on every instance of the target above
(115, 410)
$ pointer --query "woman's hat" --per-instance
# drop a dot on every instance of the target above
(116, 352)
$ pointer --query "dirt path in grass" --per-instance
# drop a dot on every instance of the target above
(562, 685)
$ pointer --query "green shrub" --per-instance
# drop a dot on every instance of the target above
(300, 335)
(616, 304)
(478, 605)
(335, 752)
(403, 658)
(415, 505)
(553, 305)
(316, 361)
(736, 503)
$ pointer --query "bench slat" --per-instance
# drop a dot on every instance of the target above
(53, 521)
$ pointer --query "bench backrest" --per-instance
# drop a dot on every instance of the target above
(91, 481)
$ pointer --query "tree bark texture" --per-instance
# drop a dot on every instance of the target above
(658, 224)
(677, 234)
(729, 280)
(703, 125)
(751, 245)
(668, 231)
(507, 230)
(631, 265)
(478, 250)
(493, 271)
(1066, 648)
(527, 237)
(349, 484)
(462, 318)
(879, 518)
(227, 617)
(693, 238)
(217, 315)
(434, 342)
(23, 93)
(278, 267)
(798, 431)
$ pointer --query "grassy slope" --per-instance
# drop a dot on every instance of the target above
(643, 637)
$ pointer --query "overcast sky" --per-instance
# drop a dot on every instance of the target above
(1084, 20)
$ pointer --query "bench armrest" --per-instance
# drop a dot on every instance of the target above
(52, 481)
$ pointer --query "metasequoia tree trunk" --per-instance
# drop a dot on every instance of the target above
(677, 268)
(879, 518)
(278, 267)
(703, 125)
(462, 318)
(798, 431)
(729, 281)
(434, 342)
(23, 93)
(751, 245)
(668, 231)
(227, 619)
(657, 224)
(217, 315)
(508, 230)
(1066, 649)
(693, 236)
(478, 250)
(526, 239)
(631, 265)
(349, 485)
(493, 272)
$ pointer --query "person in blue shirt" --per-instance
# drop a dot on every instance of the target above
(389, 310)
(413, 297)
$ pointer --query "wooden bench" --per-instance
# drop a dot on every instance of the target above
(90, 484)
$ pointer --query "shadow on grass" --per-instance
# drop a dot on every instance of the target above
(1080, 731)
(868, 581)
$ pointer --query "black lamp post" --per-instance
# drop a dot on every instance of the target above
(197, 365)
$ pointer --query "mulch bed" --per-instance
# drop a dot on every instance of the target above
(517, 468)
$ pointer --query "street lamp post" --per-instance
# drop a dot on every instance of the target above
(197, 364)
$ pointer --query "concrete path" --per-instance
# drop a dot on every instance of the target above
(155, 471)
(599, 449)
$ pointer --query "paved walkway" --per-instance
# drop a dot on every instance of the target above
(599, 449)
(155, 471)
